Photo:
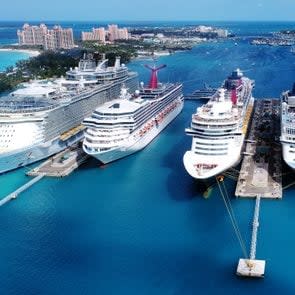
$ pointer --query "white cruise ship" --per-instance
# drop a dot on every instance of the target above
(288, 127)
(126, 125)
(218, 128)
(42, 118)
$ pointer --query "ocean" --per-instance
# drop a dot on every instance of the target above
(140, 225)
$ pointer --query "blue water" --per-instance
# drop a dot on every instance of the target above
(8, 58)
(140, 225)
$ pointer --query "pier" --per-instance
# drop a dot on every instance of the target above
(15, 194)
(261, 170)
(62, 164)
(252, 267)
(260, 175)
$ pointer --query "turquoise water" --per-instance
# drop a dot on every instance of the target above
(8, 58)
(140, 225)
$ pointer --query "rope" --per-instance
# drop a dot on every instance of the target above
(234, 224)
(288, 185)
(233, 215)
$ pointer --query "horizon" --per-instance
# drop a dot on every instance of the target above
(144, 21)
(150, 11)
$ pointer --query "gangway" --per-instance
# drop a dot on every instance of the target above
(24, 187)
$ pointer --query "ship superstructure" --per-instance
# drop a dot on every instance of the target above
(126, 125)
(42, 118)
(288, 126)
(218, 128)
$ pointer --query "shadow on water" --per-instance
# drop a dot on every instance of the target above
(91, 163)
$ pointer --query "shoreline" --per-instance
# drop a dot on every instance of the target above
(31, 53)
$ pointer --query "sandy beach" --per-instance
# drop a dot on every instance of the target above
(32, 53)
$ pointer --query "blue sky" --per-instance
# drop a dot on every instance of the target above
(101, 10)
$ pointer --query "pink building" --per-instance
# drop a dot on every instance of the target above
(97, 34)
(57, 38)
(31, 35)
(115, 33)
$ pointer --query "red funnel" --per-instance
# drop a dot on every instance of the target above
(234, 96)
(154, 76)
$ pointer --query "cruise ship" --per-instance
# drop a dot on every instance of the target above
(218, 128)
(41, 118)
(126, 125)
(288, 127)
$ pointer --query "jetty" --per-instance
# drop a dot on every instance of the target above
(61, 164)
(260, 176)
(252, 267)
(24, 187)
(261, 170)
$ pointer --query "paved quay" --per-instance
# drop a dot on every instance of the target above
(261, 170)
(61, 164)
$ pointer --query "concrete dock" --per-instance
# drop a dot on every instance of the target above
(24, 187)
(261, 170)
(61, 164)
(252, 267)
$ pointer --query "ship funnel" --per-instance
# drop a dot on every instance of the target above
(154, 76)
(234, 96)
(117, 62)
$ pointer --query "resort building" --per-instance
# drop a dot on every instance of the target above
(50, 39)
(116, 33)
(97, 34)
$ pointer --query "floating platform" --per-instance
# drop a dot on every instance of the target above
(261, 170)
(62, 164)
(251, 268)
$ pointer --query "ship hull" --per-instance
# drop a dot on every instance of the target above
(29, 155)
(288, 156)
(206, 167)
(54, 123)
(134, 145)
(190, 161)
